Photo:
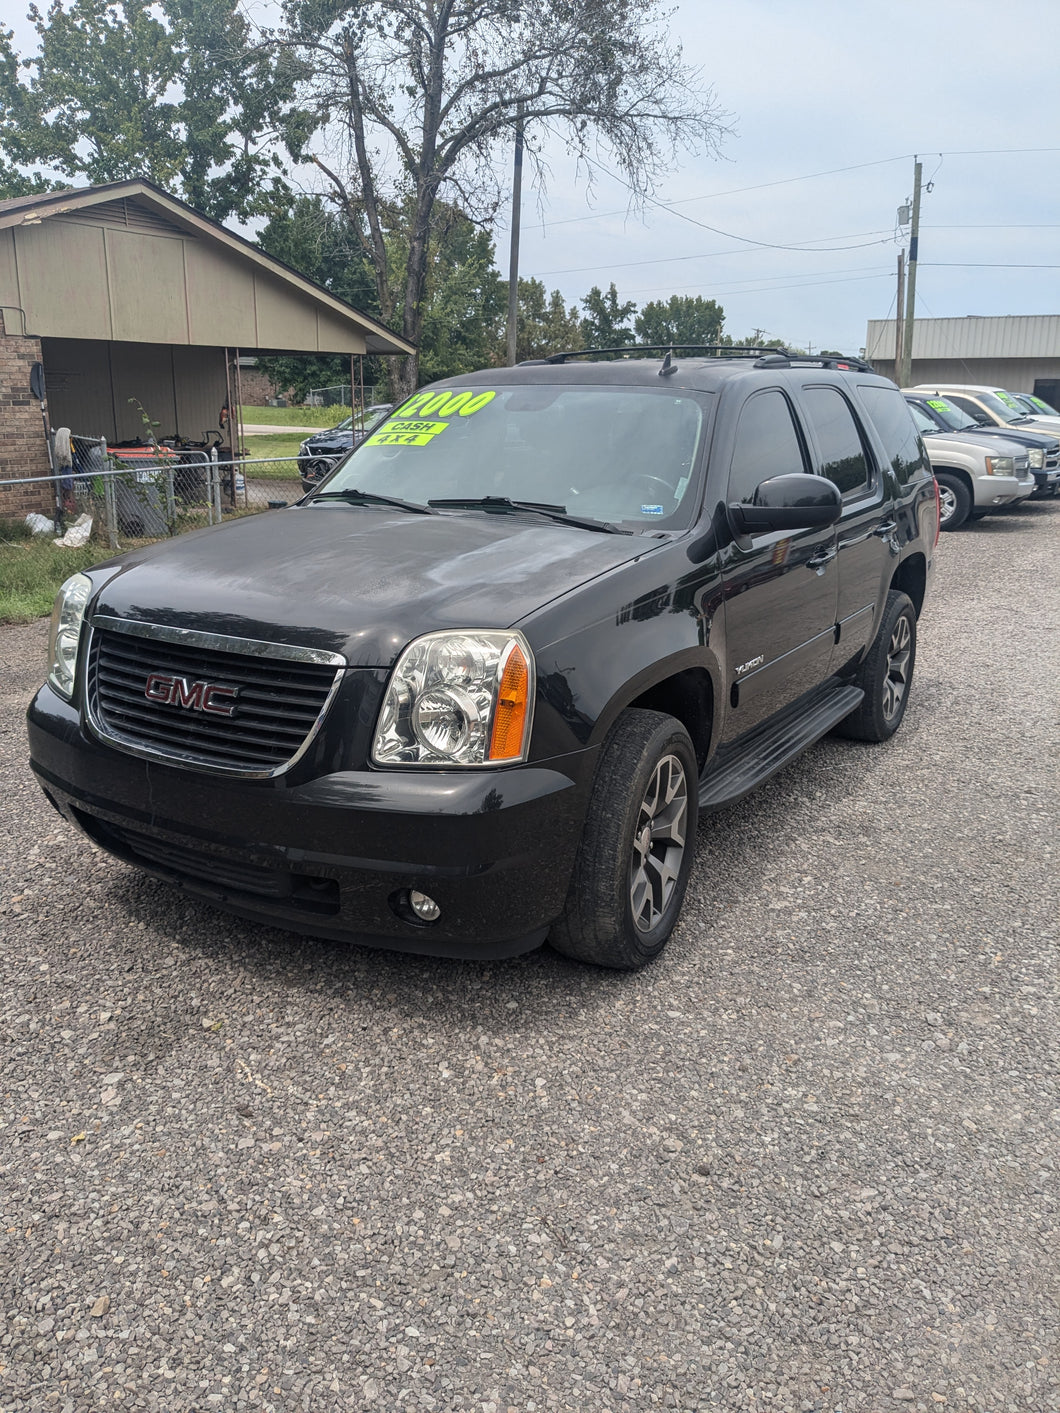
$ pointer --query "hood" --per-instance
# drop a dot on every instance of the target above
(358, 581)
(991, 445)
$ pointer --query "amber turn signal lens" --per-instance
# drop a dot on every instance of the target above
(513, 704)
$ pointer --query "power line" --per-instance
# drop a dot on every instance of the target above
(700, 255)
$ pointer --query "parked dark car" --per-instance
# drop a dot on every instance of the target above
(321, 452)
(497, 667)
(1042, 444)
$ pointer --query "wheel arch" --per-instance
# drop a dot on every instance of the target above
(688, 694)
(910, 578)
(960, 472)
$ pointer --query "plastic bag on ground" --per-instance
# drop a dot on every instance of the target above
(78, 533)
(39, 524)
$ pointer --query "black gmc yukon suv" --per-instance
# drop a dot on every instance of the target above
(475, 690)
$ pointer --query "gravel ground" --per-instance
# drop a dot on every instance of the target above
(808, 1161)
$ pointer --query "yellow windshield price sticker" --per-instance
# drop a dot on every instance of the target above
(938, 402)
(446, 404)
(407, 434)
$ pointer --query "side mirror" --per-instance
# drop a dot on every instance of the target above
(788, 503)
(36, 381)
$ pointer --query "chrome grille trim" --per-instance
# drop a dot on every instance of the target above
(115, 690)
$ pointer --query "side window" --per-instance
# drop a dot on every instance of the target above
(843, 458)
(897, 422)
(967, 405)
(767, 445)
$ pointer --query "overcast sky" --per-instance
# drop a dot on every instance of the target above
(829, 102)
(817, 86)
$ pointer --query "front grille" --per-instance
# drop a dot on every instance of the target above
(276, 702)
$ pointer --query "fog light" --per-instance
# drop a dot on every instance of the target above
(424, 907)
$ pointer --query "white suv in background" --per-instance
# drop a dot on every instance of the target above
(975, 475)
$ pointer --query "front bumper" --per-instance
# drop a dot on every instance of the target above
(332, 856)
(1046, 483)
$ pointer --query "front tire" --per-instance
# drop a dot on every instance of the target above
(636, 851)
(955, 501)
(886, 675)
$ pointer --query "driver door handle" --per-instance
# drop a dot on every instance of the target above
(885, 530)
(821, 558)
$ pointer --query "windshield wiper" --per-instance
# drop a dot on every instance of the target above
(504, 505)
(356, 497)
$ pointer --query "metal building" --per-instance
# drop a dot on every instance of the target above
(1020, 352)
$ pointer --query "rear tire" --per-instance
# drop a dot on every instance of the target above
(886, 675)
(955, 501)
(636, 851)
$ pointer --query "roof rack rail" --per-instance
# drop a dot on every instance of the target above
(781, 358)
(718, 350)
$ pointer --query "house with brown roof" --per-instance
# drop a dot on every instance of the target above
(124, 292)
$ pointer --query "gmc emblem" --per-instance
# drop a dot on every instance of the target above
(193, 696)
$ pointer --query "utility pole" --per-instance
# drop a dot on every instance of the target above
(898, 313)
(906, 370)
(513, 259)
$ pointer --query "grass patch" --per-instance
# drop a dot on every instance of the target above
(32, 570)
(272, 444)
(296, 416)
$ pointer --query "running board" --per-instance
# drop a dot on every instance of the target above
(737, 769)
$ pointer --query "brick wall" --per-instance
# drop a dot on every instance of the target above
(23, 451)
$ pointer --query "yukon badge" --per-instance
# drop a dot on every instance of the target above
(748, 666)
(211, 697)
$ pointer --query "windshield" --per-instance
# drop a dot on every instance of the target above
(924, 423)
(954, 418)
(1007, 408)
(1039, 406)
(616, 454)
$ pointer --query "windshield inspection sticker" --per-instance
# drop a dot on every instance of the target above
(651, 510)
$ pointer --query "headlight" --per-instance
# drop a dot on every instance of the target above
(1000, 465)
(67, 616)
(458, 699)
(303, 449)
(1037, 459)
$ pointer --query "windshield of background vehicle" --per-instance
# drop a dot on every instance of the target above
(624, 455)
(954, 418)
(1008, 410)
(1043, 407)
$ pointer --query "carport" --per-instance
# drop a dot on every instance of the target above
(130, 298)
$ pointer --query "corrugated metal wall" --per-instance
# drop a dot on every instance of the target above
(1013, 336)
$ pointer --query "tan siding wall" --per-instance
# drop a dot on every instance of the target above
(199, 375)
(220, 298)
(9, 294)
(62, 276)
(336, 337)
(81, 276)
(284, 320)
(143, 371)
(79, 385)
(147, 294)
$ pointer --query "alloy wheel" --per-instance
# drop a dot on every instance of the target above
(947, 504)
(658, 843)
(899, 662)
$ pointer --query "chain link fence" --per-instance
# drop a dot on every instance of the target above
(120, 496)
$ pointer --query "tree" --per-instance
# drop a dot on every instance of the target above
(682, 319)
(169, 91)
(412, 99)
(545, 325)
(606, 321)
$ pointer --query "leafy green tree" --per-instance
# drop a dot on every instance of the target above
(416, 100)
(682, 319)
(172, 91)
(606, 322)
(465, 300)
(545, 324)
